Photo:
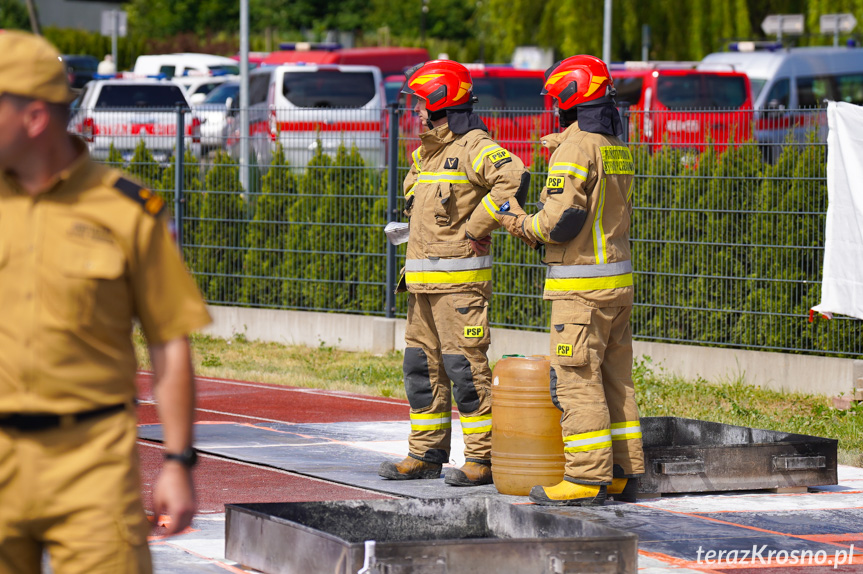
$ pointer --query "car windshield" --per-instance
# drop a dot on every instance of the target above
(225, 70)
(757, 85)
(140, 96)
(523, 93)
(392, 89)
(221, 94)
(701, 91)
(329, 89)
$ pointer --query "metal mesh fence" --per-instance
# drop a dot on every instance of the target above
(727, 234)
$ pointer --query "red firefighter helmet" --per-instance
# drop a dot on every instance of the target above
(441, 83)
(577, 80)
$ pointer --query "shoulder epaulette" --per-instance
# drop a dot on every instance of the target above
(152, 203)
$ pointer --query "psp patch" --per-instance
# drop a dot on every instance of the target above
(500, 157)
(451, 163)
(564, 350)
(554, 184)
(473, 332)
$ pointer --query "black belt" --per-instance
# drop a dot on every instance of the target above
(46, 422)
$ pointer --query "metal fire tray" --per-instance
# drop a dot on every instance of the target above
(686, 455)
(436, 536)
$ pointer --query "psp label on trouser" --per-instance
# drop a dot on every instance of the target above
(473, 332)
(564, 350)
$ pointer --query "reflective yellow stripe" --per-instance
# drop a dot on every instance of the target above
(449, 276)
(535, 224)
(490, 206)
(431, 421)
(598, 232)
(578, 171)
(483, 153)
(446, 177)
(417, 156)
(473, 425)
(588, 283)
(587, 441)
(626, 430)
(410, 191)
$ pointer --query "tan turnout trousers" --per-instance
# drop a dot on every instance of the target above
(447, 338)
(591, 382)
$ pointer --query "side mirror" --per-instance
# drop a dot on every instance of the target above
(197, 99)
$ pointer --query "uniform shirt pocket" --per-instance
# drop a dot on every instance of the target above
(569, 332)
(91, 288)
(471, 313)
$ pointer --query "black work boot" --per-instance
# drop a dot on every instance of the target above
(410, 468)
(471, 474)
(622, 489)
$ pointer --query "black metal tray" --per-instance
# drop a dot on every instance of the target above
(437, 536)
(686, 455)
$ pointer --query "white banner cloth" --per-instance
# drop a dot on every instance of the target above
(842, 283)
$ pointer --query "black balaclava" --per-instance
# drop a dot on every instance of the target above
(598, 117)
(461, 119)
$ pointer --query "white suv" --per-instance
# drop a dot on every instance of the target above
(122, 113)
(299, 105)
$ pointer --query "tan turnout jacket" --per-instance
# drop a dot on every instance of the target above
(584, 218)
(455, 186)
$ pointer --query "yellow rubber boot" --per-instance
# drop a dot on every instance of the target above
(471, 474)
(568, 493)
(409, 469)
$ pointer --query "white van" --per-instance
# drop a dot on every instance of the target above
(798, 79)
(187, 64)
(303, 106)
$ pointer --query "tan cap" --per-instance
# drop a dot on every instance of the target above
(30, 66)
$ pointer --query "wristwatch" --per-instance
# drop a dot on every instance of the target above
(188, 458)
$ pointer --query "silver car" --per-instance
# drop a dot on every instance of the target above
(123, 113)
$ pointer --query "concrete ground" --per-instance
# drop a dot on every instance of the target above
(263, 443)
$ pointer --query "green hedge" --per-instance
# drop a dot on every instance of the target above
(727, 248)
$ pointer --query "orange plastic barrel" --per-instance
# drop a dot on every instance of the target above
(526, 442)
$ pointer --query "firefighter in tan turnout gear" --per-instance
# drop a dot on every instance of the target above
(459, 179)
(584, 221)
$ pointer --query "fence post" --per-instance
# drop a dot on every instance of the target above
(179, 159)
(623, 109)
(392, 205)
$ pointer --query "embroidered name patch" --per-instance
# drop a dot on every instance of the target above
(564, 350)
(617, 160)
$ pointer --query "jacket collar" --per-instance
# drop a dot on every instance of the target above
(436, 139)
(552, 141)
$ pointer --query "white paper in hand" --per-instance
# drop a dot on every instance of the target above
(397, 233)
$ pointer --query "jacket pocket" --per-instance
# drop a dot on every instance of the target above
(569, 333)
(471, 313)
(442, 204)
(553, 254)
(448, 249)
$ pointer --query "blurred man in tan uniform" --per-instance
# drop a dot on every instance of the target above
(459, 179)
(83, 253)
(584, 222)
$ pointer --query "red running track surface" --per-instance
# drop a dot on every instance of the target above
(220, 481)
